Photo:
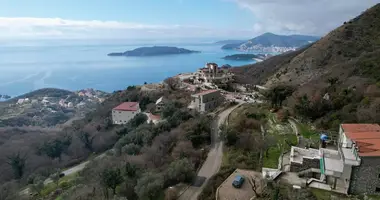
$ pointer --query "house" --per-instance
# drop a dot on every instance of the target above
(82, 94)
(160, 103)
(20, 101)
(124, 112)
(211, 73)
(354, 167)
(360, 144)
(206, 101)
(62, 103)
(153, 118)
(70, 105)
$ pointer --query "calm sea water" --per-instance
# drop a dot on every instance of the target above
(73, 65)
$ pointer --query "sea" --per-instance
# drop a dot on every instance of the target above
(78, 64)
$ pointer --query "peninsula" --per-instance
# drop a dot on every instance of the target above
(154, 51)
(257, 57)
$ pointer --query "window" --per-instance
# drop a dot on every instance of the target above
(379, 175)
(119, 112)
(377, 189)
(133, 112)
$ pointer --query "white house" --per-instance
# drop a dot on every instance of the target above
(20, 101)
(125, 112)
(160, 103)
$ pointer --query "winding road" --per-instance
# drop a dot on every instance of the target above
(210, 166)
(214, 158)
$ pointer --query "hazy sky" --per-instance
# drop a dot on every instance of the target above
(173, 18)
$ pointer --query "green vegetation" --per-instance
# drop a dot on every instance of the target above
(55, 148)
(154, 51)
(244, 57)
(244, 142)
(331, 77)
(306, 131)
(17, 163)
(278, 94)
(279, 145)
(281, 138)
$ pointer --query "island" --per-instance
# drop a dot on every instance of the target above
(257, 57)
(154, 51)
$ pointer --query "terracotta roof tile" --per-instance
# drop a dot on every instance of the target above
(127, 106)
(154, 117)
(366, 137)
(360, 127)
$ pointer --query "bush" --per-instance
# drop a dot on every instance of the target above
(131, 149)
(64, 185)
(149, 186)
(179, 171)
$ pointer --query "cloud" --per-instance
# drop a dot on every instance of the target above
(316, 17)
(27, 27)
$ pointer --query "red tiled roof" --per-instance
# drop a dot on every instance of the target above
(368, 147)
(352, 128)
(368, 142)
(154, 117)
(127, 106)
(206, 92)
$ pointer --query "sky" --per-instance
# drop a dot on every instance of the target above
(229, 19)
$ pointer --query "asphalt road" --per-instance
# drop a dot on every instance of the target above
(67, 172)
(214, 158)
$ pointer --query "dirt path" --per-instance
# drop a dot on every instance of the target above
(214, 158)
(300, 139)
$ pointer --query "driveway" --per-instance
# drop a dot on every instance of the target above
(214, 158)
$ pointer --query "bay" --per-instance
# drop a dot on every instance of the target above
(29, 65)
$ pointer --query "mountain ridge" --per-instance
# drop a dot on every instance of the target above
(266, 40)
(345, 64)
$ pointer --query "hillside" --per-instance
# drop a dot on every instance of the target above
(345, 64)
(258, 57)
(48, 107)
(266, 40)
(51, 92)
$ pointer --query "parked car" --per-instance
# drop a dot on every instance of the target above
(238, 181)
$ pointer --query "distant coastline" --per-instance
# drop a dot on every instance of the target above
(257, 57)
(154, 51)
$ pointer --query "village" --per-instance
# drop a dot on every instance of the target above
(48, 107)
(343, 164)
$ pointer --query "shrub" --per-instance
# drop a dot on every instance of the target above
(64, 185)
(131, 149)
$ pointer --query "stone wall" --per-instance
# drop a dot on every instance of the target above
(365, 178)
(306, 164)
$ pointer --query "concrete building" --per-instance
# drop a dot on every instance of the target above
(211, 73)
(360, 145)
(206, 101)
(20, 101)
(354, 167)
(160, 103)
(125, 112)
